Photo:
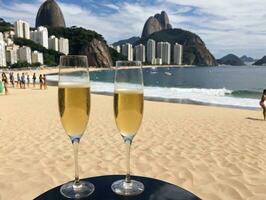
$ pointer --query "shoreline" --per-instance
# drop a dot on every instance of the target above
(54, 71)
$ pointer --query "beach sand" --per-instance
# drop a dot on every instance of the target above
(216, 153)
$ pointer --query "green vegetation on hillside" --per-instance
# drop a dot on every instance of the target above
(50, 57)
(4, 26)
(78, 37)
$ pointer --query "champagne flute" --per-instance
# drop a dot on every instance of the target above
(128, 111)
(74, 109)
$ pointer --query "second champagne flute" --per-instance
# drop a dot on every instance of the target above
(128, 110)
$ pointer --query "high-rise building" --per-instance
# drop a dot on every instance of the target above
(37, 57)
(164, 52)
(11, 54)
(40, 36)
(2, 51)
(53, 43)
(26, 30)
(150, 51)
(178, 54)
(24, 54)
(22, 29)
(140, 52)
(63, 45)
(117, 48)
(127, 51)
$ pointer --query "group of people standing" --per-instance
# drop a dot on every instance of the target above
(22, 80)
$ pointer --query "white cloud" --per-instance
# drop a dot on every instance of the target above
(237, 26)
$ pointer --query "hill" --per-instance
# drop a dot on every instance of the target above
(230, 59)
(131, 40)
(194, 49)
(261, 61)
(247, 59)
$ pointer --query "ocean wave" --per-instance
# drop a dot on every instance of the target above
(207, 96)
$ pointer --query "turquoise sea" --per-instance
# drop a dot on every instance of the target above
(233, 86)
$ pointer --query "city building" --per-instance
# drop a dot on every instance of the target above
(164, 52)
(24, 54)
(117, 48)
(178, 54)
(40, 36)
(22, 29)
(2, 51)
(127, 51)
(63, 46)
(140, 52)
(53, 43)
(157, 61)
(37, 57)
(11, 54)
(151, 51)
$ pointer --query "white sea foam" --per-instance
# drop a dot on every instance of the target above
(208, 96)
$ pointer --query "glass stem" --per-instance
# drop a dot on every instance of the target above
(128, 147)
(75, 143)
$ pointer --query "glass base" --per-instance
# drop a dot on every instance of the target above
(80, 190)
(123, 188)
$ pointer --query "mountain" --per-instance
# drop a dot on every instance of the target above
(156, 23)
(230, 59)
(50, 14)
(261, 61)
(194, 50)
(247, 59)
(129, 40)
(85, 42)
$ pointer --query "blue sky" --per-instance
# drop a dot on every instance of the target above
(226, 26)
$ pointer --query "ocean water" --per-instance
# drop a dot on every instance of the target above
(233, 86)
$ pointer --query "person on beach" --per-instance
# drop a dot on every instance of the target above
(262, 100)
(18, 80)
(5, 82)
(34, 79)
(23, 81)
(28, 80)
(11, 78)
(41, 81)
(44, 82)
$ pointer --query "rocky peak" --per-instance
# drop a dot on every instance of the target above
(156, 23)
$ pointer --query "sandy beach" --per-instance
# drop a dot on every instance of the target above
(216, 153)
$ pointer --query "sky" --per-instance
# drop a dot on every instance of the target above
(226, 26)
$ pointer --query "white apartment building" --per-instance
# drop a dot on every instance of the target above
(164, 52)
(40, 36)
(117, 48)
(37, 57)
(127, 51)
(24, 54)
(53, 43)
(2, 51)
(140, 52)
(11, 54)
(22, 29)
(151, 51)
(63, 45)
(178, 54)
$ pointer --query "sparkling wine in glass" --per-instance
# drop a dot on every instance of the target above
(128, 111)
(74, 109)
